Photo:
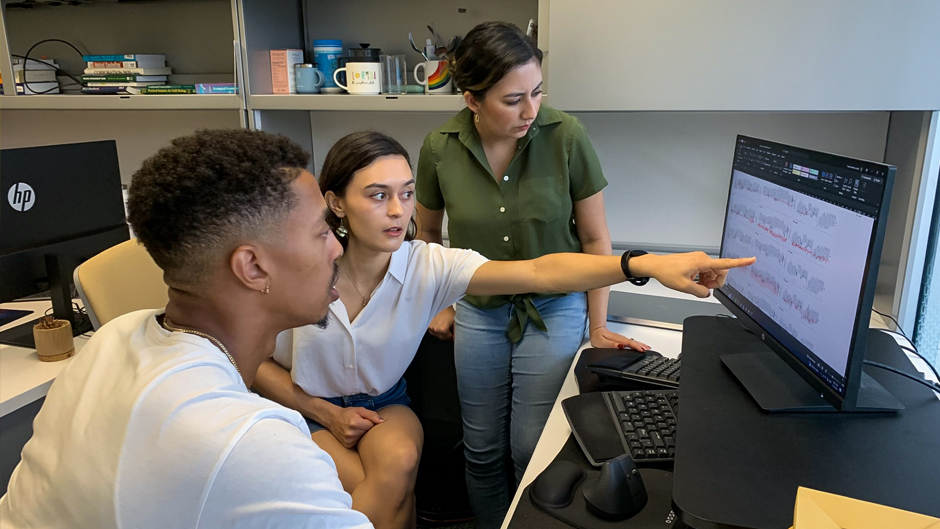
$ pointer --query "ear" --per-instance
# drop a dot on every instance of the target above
(251, 266)
(471, 102)
(334, 203)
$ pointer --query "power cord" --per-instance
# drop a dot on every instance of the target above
(26, 60)
(912, 348)
(931, 385)
(896, 324)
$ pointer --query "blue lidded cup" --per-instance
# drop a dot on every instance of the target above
(325, 55)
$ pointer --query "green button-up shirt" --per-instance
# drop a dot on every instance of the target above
(522, 214)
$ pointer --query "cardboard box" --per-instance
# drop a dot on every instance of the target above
(822, 510)
(282, 70)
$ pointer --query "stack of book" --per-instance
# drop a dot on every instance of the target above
(139, 74)
(35, 78)
(124, 74)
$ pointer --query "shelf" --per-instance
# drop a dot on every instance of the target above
(377, 103)
(128, 102)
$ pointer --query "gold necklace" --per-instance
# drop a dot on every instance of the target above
(365, 300)
(166, 324)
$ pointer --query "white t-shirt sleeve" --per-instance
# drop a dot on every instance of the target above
(453, 268)
(275, 476)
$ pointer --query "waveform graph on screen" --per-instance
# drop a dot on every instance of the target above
(777, 227)
(807, 243)
(810, 260)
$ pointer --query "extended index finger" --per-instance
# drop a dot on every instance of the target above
(726, 263)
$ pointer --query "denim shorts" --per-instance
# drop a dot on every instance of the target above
(397, 395)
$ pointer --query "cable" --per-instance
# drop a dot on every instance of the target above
(931, 385)
(896, 324)
(26, 60)
(912, 349)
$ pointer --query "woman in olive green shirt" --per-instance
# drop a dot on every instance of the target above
(517, 180)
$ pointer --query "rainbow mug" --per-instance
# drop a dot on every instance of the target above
(437, 77)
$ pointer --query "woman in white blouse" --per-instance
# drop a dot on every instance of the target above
(346, 378)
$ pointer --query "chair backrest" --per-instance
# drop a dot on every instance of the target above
(120, 280)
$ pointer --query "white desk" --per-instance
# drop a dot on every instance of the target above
(666, 342)
(23, 377)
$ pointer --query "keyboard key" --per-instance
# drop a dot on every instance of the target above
(627, 426)
(639, 454)
(657, 440)
(642, 433)
(651, 453)
(662, 453)
(670, 441)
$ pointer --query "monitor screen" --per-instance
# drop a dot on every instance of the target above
(811, 220)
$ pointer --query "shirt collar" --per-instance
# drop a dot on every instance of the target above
(462, 125)
(398, 265)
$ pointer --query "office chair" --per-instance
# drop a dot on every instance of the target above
(441, 487)
(120, 280)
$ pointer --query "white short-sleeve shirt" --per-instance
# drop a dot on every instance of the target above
(370, 354)
(148, 428)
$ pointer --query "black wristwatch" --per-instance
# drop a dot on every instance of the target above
(625, 266)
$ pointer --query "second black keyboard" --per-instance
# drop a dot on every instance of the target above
(646, 421)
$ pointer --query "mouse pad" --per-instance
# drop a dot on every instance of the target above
(656, 515)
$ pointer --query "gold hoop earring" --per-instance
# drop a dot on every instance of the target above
(476, 118)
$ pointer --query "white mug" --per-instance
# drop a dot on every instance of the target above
(361, 78)
(437, 77)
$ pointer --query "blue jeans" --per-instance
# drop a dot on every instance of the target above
(507, 391)
(397, 395)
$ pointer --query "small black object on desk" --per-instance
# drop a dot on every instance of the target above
(737, 466)
(556, 499)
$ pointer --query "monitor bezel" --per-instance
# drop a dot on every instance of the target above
(856, 359)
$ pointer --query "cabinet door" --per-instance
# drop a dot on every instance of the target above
(744, 55)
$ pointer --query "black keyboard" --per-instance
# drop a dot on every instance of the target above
(656, 371)
(646, 421)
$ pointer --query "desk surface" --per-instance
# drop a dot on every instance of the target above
(738, 467)
(667, 342)
(23, 377)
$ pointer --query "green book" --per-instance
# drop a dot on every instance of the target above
(169, 89)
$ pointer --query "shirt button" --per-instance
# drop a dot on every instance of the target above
(349, 367)
(506, 238)
(502, 210)
(506, 178)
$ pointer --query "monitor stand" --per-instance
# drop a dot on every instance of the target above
(61, 293)
(777, 388)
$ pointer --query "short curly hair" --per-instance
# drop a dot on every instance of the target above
(192, 201)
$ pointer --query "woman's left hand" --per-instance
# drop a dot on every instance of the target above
(603, 338)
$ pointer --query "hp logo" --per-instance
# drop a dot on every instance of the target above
(21, 196)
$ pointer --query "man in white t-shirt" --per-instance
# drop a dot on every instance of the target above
(152, 424)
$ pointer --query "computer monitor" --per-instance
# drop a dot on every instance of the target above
(816, 223)
(59, 205)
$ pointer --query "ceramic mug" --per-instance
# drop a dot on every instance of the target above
(437, 77)
(361, 78)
